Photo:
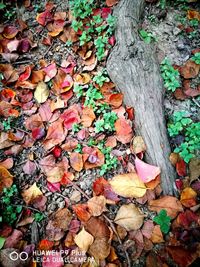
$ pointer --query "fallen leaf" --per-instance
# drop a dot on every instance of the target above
(138, 145)
(44, 17)
(194, 169)
(193, 14)
(190, 69)
(45, 244)
(124, 132)
(88, 116)
(84, 240)
(111, 2)
(157, 236)
(10, 32)
(181, 167)
(29, 167)
(41, 92)
(7, 163)
(188, 197)
(97, 205)
(129, 217)
(76, 161)
(13, 239)
(145, 171)
(50, 72)
(6, 179)
(128, 185)
(171, 204)
(30, 194)
(82, 212)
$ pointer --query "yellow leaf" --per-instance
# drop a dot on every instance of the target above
(84, 240)
(41, 92)
(129, 217)
(128, 185)
(32, 193)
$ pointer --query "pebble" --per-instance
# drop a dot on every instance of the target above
(52, 207)
(176, 30)
(61, 204)
(75, 196)
(48, 194)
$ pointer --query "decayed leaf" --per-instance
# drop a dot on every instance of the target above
(171, 204)
(41, 92)
(31, 193)
(6, 179)
(100, 248)
(128, 185)
(97, 205)
(194, 168)
(188, 197)
(157, 236)
(129, 217)
(88, 116)
(190, 69)
(84, 240)
(138, 144)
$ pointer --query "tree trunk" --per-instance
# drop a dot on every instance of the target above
(133, 67)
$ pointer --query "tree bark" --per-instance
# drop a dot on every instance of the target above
(133, 67)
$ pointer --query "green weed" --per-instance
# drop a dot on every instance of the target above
(163, 220)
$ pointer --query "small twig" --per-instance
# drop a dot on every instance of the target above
(47, 51)
(194, 100)
(21, 130)
(27, 207)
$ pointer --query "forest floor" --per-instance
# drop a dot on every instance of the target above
(74, 187)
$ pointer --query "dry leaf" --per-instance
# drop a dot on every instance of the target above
(97, 205)
(194, 168)
(41, 92)
(6, 179)
(76, 161)
(84, 240)
(31, 193)
(190, 69)
(128, 185)
(138, 144)
(188, 197)
(88, 117)
(123, 131)
(171, 204)
(129, 217)
(157, 236)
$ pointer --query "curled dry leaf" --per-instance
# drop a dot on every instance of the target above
(128, 185)
(129, 217)
(84, 240)
(41, 92)
(6, 179)
(171, 204)
(97, 205)
(31, 194)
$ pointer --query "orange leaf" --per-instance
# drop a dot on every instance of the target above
(6, 179)
(188, 197)
(88, 116)
(76, 161)
(82, 212)
(44, 17)
(190, 69)
(45, 245)
(115, 100)
(157, 236)
(111, 2)
(31, 194)
(171, 204)
(192, 14)
(124, 132)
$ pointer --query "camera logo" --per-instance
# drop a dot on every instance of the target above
(14, 256)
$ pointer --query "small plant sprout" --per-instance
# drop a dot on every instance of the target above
(91, 96)
(76, 127)
(147, 37)
(107, 123)
(196, 58)
(78, 90)
(171, 77)
(101, 78)
(76, 25)
(163, 220)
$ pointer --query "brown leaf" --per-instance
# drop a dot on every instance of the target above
(190, 69)
(171, 204)
(129, 217)
(76, 161)
(31, 194)
(84, 240)
(6, 179)
(157, 236)
(194, 168)
(128, 185)
(193, 14)
(97, 205)
(111, 2)
(88, 116)
(138, 145)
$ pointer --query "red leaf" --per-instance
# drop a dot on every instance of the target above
(50, 71)
(105, 11)
(45, 244)
(124, 131)
(181, 168)
(24, 46)
(82, 212)
(25, 75)
(38, 133)
(53, 187)
(44, 17)
(10, 32)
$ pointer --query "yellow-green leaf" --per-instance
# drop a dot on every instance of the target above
(41, 92)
